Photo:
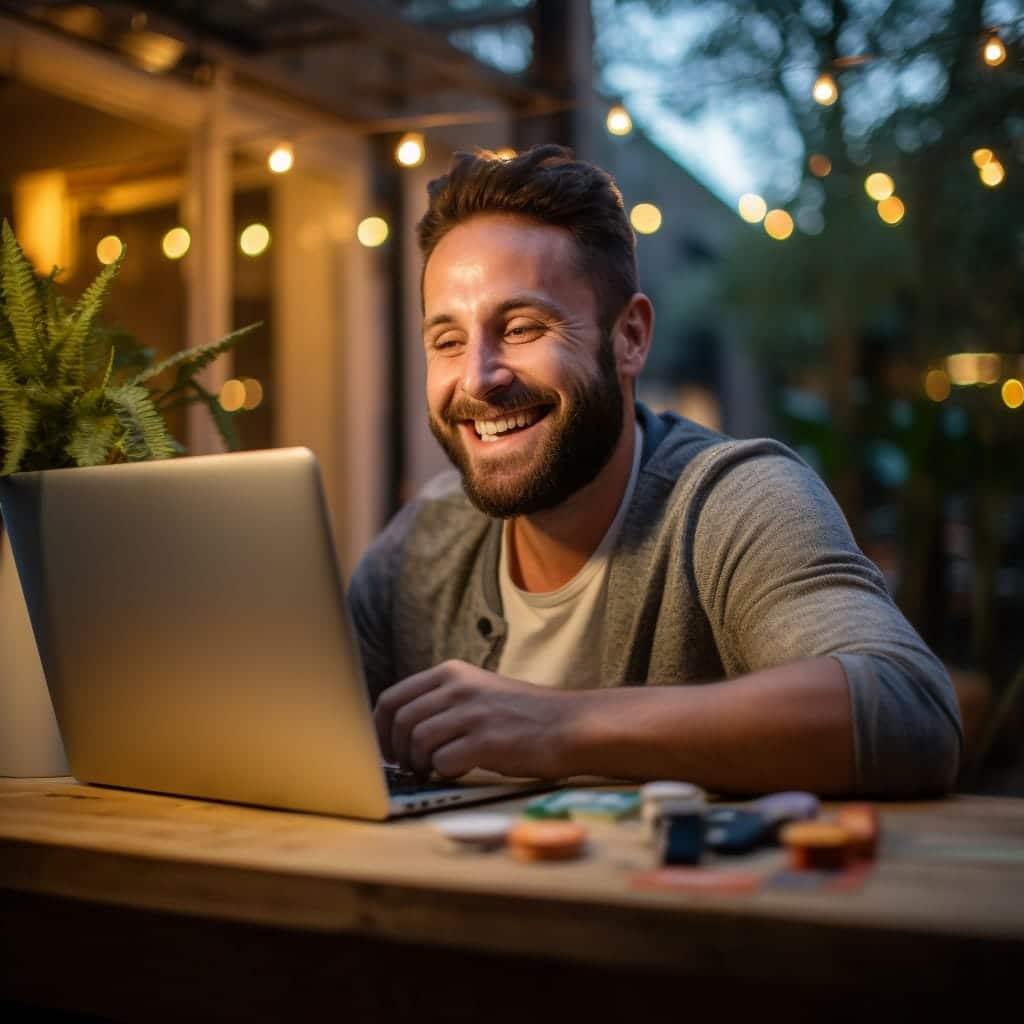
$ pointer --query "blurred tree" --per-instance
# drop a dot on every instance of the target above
(850, 306)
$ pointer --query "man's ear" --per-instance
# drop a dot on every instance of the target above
(633, 332)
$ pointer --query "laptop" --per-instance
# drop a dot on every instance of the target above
(192, 626)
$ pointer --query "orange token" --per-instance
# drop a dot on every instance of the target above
(547, 840)
(814, 844)
(861, 821)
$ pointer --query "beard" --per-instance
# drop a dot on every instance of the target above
(581, 435)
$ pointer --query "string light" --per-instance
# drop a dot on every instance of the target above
(994, 52)
(108, 249)
(281, 159)
(232, 395)
(819, 165)
(992, 173)
(176, 243)
(966, 368)
(646, 218)
(618, 121)
(982, 157)
(825, 91)
(752, 208)
(372, 231)
(1012, 393)
(879, 185)
(891, 209)
(778, 224)
(936, 385)
(254, 239)
(411, 151)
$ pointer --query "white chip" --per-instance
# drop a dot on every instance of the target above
(481, 830)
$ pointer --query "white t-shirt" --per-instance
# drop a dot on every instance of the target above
(554, 638)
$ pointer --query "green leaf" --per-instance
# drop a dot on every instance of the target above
(74, 352)
(93, 439)
(190, 361)
(224, 421)
(21, 295)
(145, 433)
(17, 420)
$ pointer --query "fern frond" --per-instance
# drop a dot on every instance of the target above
(93, 439)
(72, 354)
(17, 420)
(145, 433)
(190, 361)
(21, 295)
(224, 421)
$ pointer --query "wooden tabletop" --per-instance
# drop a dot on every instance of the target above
(950, 877)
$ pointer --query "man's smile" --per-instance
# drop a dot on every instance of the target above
(493, 429)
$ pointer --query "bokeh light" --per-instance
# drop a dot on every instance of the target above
(175, 243)
(1012, 392)
(992, 173)
(819, 165)
(411, 151)
(506, 153)
(825, 90)
(646, 218)
(936, 385)
(778, 224)
(372, 231)
(994, 52)
(752, 208)
(982, 156)
(891, 210)
(108, 249)
(879, 185)
(253, 392)
(232, 395)
(254, 239)
(281, 159)
(618, 121)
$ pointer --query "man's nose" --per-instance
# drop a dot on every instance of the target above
(485, 369)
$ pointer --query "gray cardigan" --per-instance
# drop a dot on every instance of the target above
(733, 557)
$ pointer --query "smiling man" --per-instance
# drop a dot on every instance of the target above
(602, 590)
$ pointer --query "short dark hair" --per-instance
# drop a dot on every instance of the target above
(549, 185)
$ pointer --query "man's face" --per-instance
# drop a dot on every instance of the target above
(522, 387)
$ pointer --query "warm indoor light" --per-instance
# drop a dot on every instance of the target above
(505, 153)
(618, 121)
(281, 159)
(778, 224)
(982, 156)
(175, 243)
(879, 185)
(994, 52)
(1013, 393)
(254, 239)
(232, 395)
(825, 91)
(372, 231)
(992, 173)
(819, 165)
(936, 385)
(646, 218)
(891, 210)
(109, 248)
(410, 151)
(253, 392)
(752, 208)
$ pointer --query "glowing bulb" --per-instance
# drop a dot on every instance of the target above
(372, 231)
(254, 239)
(108, 249)
(825, 91)
(175, 243)
(982, 156)
(994, 52)
(646, 218)
(232, 395)
(506, 153)
(410, 151)
(618, 121)
(1013, 393)
(752, 208)
(778, 224)
(820, 166)
(281, 159)
(879, 185)
(992, 173)
(936, 385)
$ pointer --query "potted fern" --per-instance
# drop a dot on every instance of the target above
(72, 393)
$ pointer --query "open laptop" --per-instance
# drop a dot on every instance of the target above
(194, 633)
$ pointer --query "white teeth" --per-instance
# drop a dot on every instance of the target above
(488, 430)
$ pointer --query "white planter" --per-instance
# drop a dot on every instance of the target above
(30, 743)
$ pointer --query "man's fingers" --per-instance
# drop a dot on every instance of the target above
(409, 716)
(432, 734)
(395, 697)
(456, 757)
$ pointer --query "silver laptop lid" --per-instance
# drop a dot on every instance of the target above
(193, 630)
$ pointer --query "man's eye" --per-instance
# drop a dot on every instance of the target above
(522, 332)
(446, 344)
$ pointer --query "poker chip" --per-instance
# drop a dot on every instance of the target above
(547, 840)
(474, 831)
(817, 845)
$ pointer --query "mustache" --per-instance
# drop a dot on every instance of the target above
(517, 396)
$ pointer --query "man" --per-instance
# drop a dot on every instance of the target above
(548, 610)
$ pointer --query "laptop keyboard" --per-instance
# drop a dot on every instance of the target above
(401, 782)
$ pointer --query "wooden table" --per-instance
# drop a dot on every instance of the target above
(133, 906)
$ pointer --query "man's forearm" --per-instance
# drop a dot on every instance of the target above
(782, 728)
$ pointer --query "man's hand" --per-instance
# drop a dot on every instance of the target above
(456, 717)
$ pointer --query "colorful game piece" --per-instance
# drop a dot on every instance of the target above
(474, 831)
(861, 822)
(547, 840)
(817, 845)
